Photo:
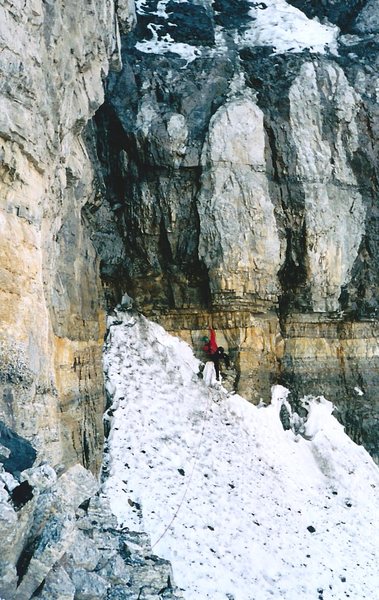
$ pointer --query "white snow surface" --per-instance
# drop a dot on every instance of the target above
(161, 44)
(224, 492)
(288, 29)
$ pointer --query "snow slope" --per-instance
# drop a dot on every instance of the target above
(243, 509)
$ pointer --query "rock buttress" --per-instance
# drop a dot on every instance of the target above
(54, 58)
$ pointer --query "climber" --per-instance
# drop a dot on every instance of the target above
(220, 354)
(214, 352)
(210, 345)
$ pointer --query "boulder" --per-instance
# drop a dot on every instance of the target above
(49, 549)
(58, 586)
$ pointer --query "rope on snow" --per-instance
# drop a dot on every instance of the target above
(190, 477)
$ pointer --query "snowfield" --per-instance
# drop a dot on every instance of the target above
(243, 509)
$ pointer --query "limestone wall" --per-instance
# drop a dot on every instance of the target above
(228, 184)
(54, 57)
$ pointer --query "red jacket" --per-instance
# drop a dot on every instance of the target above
(211, 346)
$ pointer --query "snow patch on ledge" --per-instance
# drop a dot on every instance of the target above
(278, 24)
(273, 23)
(165, 43)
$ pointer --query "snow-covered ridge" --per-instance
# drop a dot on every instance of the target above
(243, 509)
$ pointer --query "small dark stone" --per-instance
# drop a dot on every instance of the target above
(134, 504)
(84, 505)
(311, 529)
(285, 418)
(181, 471)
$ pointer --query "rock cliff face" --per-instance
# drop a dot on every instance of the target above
(241, 166)
(54, 57)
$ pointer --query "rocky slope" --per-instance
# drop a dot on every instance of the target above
(60, 541)
(239, 151)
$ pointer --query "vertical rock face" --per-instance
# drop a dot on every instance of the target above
(242, 261)
(333, 204)
(54, 57)
(242, 169)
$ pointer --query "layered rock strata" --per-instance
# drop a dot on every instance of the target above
(233, 183)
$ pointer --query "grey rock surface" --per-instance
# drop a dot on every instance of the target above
(83, 552)
(50, 547)
(207, 224)
(58, 585)
(88, 586)
(42, 477)
(67, 546)
(367, 20)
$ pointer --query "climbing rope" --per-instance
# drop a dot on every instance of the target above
(190, 477)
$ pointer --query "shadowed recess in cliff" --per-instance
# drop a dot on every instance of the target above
(149, 149)
(271, 76)
(22, 454)
(360, 296)
(293, 275)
